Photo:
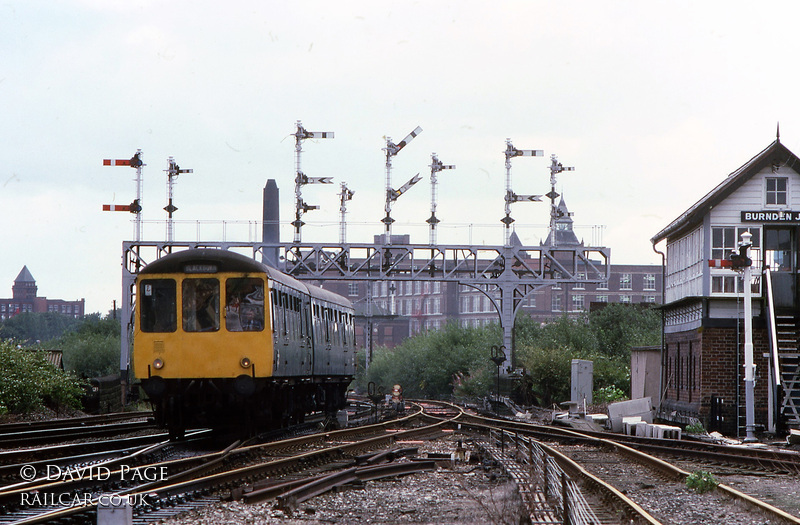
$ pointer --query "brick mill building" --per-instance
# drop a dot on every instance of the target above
(24, 299)
(702, 374)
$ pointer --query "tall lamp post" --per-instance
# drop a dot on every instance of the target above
(744, 262)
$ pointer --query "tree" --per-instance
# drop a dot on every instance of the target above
(29, 382)
(93, 349)
(425, 365)
(618, 327)
(28, 328)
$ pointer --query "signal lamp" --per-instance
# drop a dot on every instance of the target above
(245, 362)
(158, 364)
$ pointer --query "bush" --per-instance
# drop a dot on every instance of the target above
(549, 370)
(91, 354)
(608, 394)
(28, 382)
(695, 428)
(701, 481)
(427, 365)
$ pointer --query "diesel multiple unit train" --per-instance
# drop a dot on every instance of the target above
(223, 340)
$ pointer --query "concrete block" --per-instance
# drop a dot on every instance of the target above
(600, 419)
(629, 425)
(635, 408)
(641, 428)
(671, 432)
(113, 509)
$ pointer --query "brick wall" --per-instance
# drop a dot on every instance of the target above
(703, 383)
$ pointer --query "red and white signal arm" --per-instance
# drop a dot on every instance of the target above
(719, 263)
(116, 162)
(116, 207)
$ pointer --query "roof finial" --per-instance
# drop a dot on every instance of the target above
(778, 135)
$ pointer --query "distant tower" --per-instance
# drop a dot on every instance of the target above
(271, 230)
(24, 285)
(564, 236)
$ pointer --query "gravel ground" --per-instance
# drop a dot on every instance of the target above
(465, 493)
(672, 502)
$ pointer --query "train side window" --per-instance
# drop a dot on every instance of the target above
(200, 305)
(274, 306)
(244, 300)
(157, 305)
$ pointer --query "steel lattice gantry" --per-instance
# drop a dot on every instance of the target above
(512, 272)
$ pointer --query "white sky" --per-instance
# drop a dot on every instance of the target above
(654, 103)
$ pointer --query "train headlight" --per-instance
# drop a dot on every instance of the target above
(158, 364)
(245, 362)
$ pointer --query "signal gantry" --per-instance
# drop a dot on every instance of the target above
(392, 195)
(301, 179)
(436, 167)
(345, 195)
(555, 214)
(510, 197)
(173, 170)
(136, 206)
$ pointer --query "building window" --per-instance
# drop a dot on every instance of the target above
(626, 299)
(776, 190)
(580, 285)
(577, 303)
(625, 282)
(352, 289)
(723, 284)
(723, 242)
(650, 299)
(556, 303)
(650, 281)
(602, 298)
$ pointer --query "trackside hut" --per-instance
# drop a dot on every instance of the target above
(702, 372)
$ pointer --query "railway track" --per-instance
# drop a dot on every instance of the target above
(180, 483)
(661, 485)
(556, 471)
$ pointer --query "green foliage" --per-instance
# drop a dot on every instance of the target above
(92, 350)
(695, 428)
(701, 481)
(549, 370)
(28, 382)
(618, 327)
(456, 360)
(476, 382)
(608, 394)
(28, 328)
(426, 364)
(91, 355)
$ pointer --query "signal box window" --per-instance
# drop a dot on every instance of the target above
(157, 305)
(200, 305)
(244, 310)
(776, 190)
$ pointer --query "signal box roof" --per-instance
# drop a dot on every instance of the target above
(774, 154)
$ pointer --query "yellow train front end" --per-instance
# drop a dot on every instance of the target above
(203, 338)
(175, 342)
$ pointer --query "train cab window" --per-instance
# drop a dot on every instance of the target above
(200, 305)
(157, 305)
(244, 310)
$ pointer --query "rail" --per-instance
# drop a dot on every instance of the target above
(773, 343)
(546, 475)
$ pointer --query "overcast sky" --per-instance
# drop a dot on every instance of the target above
(653, 103)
